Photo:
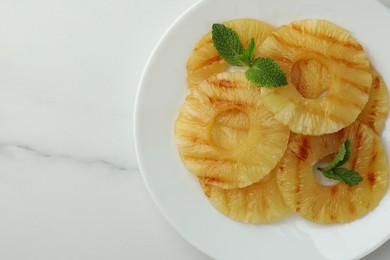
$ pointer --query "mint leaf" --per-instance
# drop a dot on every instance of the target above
(249, 53)
(350, 177)
(347, 148)
(331, 175)
(228, 45)
(341, 157)
(332, 171)
(266, 73)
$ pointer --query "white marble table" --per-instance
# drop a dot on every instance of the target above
(69, 182)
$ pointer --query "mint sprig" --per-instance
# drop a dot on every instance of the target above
(333, 171)
(262, 71)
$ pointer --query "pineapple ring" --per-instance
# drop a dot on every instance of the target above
(340, 203)
(248, 147)
(204, 60)
(376, 110)
(258, 203)
(331, 51)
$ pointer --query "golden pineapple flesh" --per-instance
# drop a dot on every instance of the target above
(204, 60)
(340, 203)
(258, 203)
(376, 110)
(328, 73)
(224, 134)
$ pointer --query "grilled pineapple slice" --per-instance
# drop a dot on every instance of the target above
(311, 47)
(224, 134)
(258, 203)
(377, 108)
(204, 60)
(340, 203)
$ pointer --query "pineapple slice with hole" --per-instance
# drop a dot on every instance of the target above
(328, 73)
(311, 81)
(204, 60)
(339, 203)
(376, 110)
(225, 135)
(258, 203)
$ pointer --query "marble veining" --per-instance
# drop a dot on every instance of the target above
(4, 147)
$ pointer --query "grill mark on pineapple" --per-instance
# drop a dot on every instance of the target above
(198, 140)
(209, 61)
(223, 102)
(371, 123)
(376, 83)
(341, 100)
(374, 112)
(222, 83)
(349, 64)
(298, 189)
(333, 218)
(372, 178)
(334, 190)
(335, 41)
(362, 88)
(212, 180)
(298, 169)
(373, 156)
(210, 159)
(340, 135)
(304, 148)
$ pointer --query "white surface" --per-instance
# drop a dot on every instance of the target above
(69, 183)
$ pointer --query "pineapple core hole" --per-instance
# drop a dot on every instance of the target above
(310, 78)
(324, 181)
(230, 129)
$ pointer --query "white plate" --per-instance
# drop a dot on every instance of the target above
(178, 194)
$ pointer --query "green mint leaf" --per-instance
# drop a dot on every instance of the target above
(331, 175)
(228, 45)
(249, 53)
(266, 72)
(332, 171)
(347, 147)
(350, 177)
(341, 157)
